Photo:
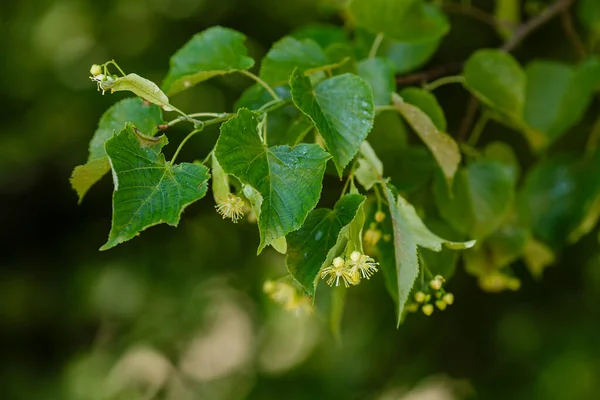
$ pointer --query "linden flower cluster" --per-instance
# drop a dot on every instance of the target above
(373, 235)
(289, 297)
(349, 271)
(422, 300)
(231, 207)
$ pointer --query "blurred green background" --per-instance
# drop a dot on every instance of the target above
(179, 313)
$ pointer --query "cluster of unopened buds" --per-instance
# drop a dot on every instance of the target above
(288, 296)
(373, 235)
(423, 300)
(349, 271)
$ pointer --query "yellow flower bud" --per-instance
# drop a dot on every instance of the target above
(338, 262)
(436, 284)
(448, 298)
(427, 309)
(441, 304)
(412, 307)
(95, 70)
(419, 297)
(379, 216)
(355, 256)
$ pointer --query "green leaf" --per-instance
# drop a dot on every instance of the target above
(142, 87)
(427, 103)
(507, 11)
(554, 108)
(85, 176)
(403, 20)
(341, 109)
(285, 125)
(422, 235)
(497, 79)
(504, 154)
(559, 198)
(145, 117)
(215, 51)
(324, 35)
(289, 179)
(288, 54)
(219, 181)
(537, 257)
(148, 190)
(370, 167)
(444, 148)
(380, 75)
(309, 246)
(406, 57)
(588, 12)
(482, 197)
(442, 262)
(402, 278)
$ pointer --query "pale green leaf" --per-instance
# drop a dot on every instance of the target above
(370, 167)
(309, 246)
(403, 277)
(324, 35)
(341, 109)
(148, 190)
(422, 235)
(507, 11)
(427, 103)
(219, 181)
(442, 146)
(142, 87)
(215, 51)
(85, 176)
(288, 179)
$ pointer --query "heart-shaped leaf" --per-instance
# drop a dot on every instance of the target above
(341, 109)
(288, 179)
(145, 117)
(309, 246)
(148, 190)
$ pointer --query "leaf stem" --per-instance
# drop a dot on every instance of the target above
(567, 22)
(375, 46)
(478, 129)
(260, 82)
(203, 125)
(350, 178)
(115, 64)
(445, 80)
(188, 137)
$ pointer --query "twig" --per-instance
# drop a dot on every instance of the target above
(429, 75)
(527, 28)
(572, 35)
(467, 121)
(478, 14)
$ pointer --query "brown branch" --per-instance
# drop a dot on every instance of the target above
(572, 35)
(478, 14)
(527, 28)
(422, 77)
